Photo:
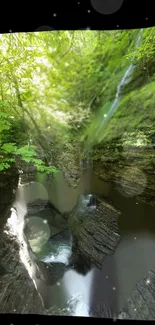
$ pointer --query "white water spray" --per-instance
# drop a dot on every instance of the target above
(62, 255)
(77, 287)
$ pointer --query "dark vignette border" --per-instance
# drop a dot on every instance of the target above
(75, 14)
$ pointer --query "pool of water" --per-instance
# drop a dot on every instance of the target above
(111, 286)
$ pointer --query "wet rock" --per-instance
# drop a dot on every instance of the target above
(111, 161)
(63, 237)
(94, 228)
(2, 270)
(70, 309)
(35, 206)
(45, 210)
(51, 273)
(17, 291)
(8, 185)
(100, 310)
(141, 303)
(68, 161)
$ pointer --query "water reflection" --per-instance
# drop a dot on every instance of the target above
(111, 286)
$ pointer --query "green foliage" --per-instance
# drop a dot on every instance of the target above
(139, 115)
(10, 152)
(56, 88)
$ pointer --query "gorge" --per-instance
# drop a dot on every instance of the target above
(77, 174)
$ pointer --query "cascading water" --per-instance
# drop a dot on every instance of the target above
(72, 289)
(61, 256)
(124, 81)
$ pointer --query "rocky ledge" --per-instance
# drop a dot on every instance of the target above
(129, 169)
(141, 303)
(94, 226)
(68, 161)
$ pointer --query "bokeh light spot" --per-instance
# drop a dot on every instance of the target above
(37, 233)
(133, 181)
(44, 28)
(106, 7)
(36, 191)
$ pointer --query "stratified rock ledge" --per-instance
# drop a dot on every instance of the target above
(94, 226)
(141, 303)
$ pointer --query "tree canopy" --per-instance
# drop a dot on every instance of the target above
(56, 87)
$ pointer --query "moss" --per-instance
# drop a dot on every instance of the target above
(136, 110)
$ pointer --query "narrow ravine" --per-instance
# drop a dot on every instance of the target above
(111, 286)
(77, 173)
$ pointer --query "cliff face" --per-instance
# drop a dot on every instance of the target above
(8, 185)
(130, 169)
(17, 291)
(93, 225)
(68, 160)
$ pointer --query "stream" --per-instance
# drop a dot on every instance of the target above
(110, 287)
(100, 292)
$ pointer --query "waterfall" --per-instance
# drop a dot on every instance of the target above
(62, 255)
(124, 81)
